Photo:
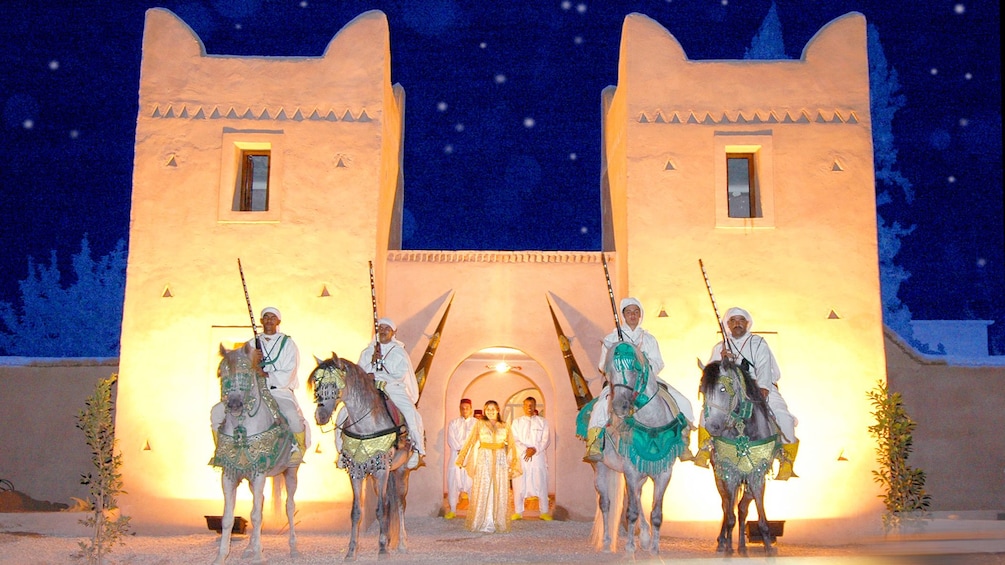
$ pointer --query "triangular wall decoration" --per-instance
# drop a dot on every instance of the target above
(146, 446)
(167, 292)
(837, 166)
(171, 162)
(669, 166)
(833, 316)
(324, 291)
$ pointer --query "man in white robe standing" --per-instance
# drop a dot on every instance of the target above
(532, 439)
(753, 354)
(458, 480)
(392, 369)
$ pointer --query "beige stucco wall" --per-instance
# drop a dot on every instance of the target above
(42, 453)
(334, 127)
(957, 410)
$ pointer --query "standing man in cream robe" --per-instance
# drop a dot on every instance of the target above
(532, 439)
(458, 480)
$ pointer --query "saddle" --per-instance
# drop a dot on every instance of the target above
(397, 418)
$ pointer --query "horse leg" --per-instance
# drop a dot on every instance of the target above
(757, 494)
(356, 514)
(660, 484)
(254, 549)
(399, 491)
(380, 480)
(600, 480)
(290, 478)
(227, 522)
(742, 507)
(633, 492)
(728, 495)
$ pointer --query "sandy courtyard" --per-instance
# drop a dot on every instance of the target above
(34, 538)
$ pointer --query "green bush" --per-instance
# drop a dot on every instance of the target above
(905, 498)
(105, 483)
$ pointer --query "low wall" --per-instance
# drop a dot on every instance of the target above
(42, 453)
(959, 414)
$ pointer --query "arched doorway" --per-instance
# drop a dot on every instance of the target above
(508, 376)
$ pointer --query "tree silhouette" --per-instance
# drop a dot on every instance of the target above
(891, 185)
(83, 319)
(767, 43)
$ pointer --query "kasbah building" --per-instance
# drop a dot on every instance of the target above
(331, 130)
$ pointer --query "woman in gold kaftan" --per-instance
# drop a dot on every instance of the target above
(490, 458)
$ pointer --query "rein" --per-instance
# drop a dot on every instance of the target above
(340, 385)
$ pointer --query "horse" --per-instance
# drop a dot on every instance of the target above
(645, 434)
(374, 443)
(745, 442)
(253, 441)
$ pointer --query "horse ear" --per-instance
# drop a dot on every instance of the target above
(223, 350)
(316, 360)
(700, 364)
(334, 357)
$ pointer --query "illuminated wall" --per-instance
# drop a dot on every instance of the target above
(333, 125)
(807, 268)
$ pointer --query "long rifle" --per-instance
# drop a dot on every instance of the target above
(715, 308)
(610, 292)
(251, 313)
(378, 359)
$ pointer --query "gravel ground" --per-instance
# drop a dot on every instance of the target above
(439, 541)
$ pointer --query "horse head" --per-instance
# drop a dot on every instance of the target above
(731, 400)
(627, 372)
(327, 381)
(238, 380)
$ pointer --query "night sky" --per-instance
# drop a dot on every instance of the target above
(502, 123)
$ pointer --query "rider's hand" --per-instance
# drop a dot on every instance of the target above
(531, 451)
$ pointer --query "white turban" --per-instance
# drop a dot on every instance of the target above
(734, 311)
(388, 322)
(272, 310)
(626, 302)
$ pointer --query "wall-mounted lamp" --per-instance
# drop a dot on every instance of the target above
(502, 367)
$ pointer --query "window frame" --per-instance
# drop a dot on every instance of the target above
(759, 146)
(235, 145)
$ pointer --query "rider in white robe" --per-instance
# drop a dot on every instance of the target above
(279, 360)
(752, 352)
(532, 437)
(393, 368)
(631, 331)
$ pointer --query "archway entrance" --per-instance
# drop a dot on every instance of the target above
(507, 376)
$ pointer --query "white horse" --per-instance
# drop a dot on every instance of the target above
(253, 442)
(645, 435)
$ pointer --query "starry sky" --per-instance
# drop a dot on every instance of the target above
(502, 125)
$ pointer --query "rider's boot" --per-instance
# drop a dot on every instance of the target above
(704, 448)
(300, 449)
(594, 446)
(785, 461)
